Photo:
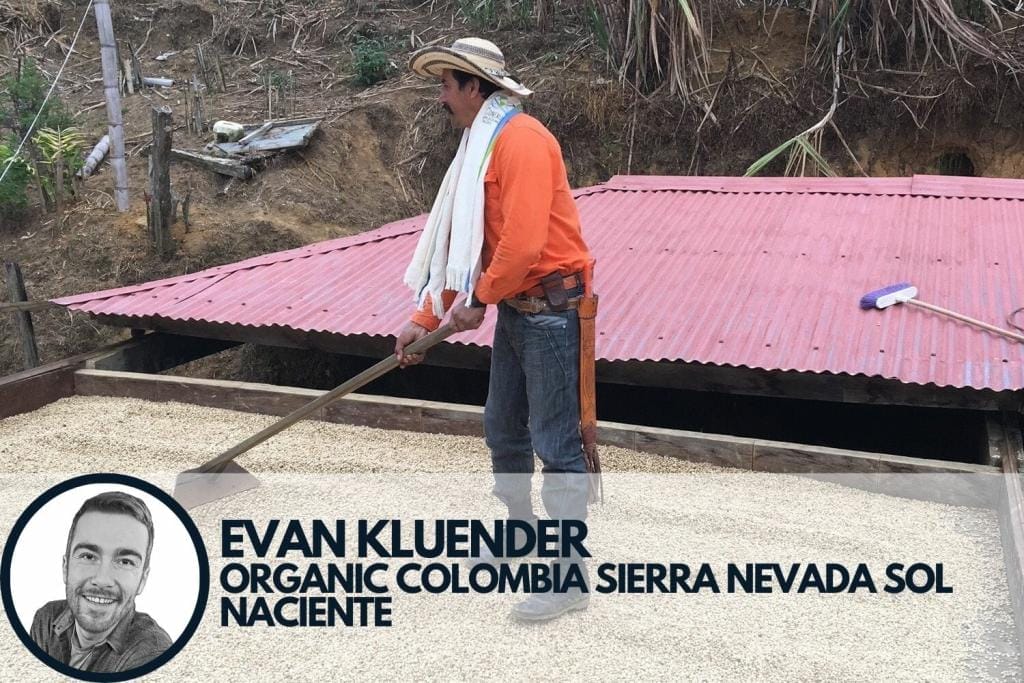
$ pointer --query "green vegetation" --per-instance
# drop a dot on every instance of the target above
(64, 144)
(373, 64)
(22, 94)
(498, 14)
(14, 188)
(655, 43)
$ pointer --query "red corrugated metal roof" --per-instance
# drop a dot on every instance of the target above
(756, 272)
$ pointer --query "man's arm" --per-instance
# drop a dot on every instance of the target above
(422, 323)
(425, 317)
(524, 170)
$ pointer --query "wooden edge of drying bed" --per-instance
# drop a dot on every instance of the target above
(31, 389)
(459, 419)
(1011, 522)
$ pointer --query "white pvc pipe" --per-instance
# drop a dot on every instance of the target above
(95, 157)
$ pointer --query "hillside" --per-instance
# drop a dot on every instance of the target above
(381, 149)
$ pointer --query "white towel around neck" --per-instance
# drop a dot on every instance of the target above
(448, 253)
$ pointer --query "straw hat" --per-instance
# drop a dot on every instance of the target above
(474, 56)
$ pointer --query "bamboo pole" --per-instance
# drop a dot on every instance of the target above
(115, 124)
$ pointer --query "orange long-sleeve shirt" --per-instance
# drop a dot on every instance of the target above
(531, 225)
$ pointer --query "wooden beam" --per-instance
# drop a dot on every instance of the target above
(228, 167)
(444, 355)
(27, 306)
(136, 66)
(994, 439)
(23, 319)
(158, 352)
(451, 418)
(797, 385)
(31, 389)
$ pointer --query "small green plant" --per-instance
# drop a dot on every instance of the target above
(373, 64)
(22, 96)
(64, 144)
(26, 91)
(598, 28)
(479, 12)
(499, 13)
(16, 174)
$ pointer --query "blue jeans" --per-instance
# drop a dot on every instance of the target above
(533, 406)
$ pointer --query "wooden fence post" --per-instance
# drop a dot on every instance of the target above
(160, 205)
(16, 292)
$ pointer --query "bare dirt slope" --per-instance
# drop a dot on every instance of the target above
(381, 150)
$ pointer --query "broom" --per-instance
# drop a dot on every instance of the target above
(904, 293)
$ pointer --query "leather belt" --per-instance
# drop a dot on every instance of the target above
(571, 281)
(531, 305)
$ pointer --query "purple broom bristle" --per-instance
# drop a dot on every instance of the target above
(870, 299)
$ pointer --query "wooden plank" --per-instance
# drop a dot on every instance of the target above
(948, 483)
(136, 67)
(227, 167)
(774, 456)
(713, 449)
(993, 447)
(779, 384)
(281, 135)
(464, 420)
(382, 412)
(616, 434)
(249, 137)
(69, 362)
(27, 306)
(899, 464)
(1011, 522)
(23, 319)
(244, 397)
(33, 391)
(409, 414)
(443, 355)
(158, 352)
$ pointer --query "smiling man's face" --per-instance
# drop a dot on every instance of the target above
(104, 570)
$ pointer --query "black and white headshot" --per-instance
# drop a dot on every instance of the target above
(105, 579)
(106, 564)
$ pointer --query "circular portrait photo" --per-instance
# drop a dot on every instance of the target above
(104, 577)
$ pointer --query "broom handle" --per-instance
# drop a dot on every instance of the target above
(970, 321)
(364, 377)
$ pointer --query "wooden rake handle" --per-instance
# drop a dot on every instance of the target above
(970, 321)
(363, 378)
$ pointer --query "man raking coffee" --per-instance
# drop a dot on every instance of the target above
(504, 231)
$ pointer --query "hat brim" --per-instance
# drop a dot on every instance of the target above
(430, 62)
